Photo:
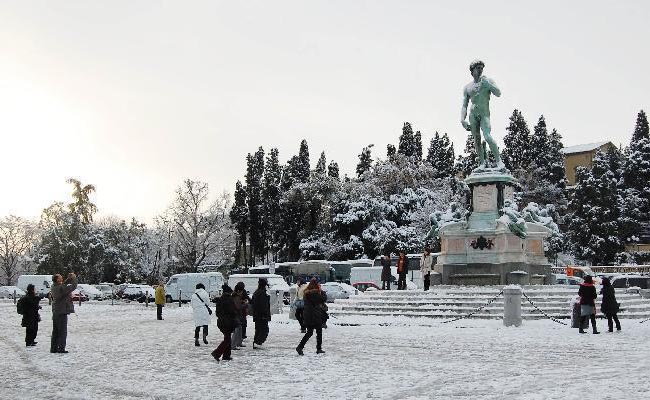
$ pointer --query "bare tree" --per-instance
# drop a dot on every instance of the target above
(17, 236)
(200, 228)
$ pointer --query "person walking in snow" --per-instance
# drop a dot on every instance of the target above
(201, 312)
(426, 263)
(261, 313)
(226, 315)
(587, 293)
(315, 316)
(62, 306)
(402, 269)
(240, 299)
(159, 296)
(31, 318)
(386, 274)
(300, 303)
(609, 305)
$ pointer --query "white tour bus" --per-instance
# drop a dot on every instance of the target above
(275, 282)
(42, 283)
(185, 284)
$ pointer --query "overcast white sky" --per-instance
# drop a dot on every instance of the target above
(135, 96)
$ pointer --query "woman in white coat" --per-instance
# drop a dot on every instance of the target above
(202, 312)
(425, 267)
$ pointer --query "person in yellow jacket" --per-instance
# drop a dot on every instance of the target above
(160, 299)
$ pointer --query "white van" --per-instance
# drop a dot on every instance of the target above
(42, 283)
(186, 284)
(276, 282)
(373, 274)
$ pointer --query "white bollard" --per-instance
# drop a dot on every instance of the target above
(293, 291)
(512, 305)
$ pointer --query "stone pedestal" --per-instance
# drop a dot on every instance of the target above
(483, 250)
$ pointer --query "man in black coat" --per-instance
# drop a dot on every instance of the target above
(226, 322)
(261, 303)
(31, 317)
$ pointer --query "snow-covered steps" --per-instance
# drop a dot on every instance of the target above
(450, 302)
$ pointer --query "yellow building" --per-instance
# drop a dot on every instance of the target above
(581, 155)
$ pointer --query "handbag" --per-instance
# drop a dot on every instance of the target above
(206, 306)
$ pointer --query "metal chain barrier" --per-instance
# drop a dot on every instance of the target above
(542, 311)
(645, 320)
(475, 311)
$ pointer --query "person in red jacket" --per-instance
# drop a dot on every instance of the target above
(587, 293)
(401, 271)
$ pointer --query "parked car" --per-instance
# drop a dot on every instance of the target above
(632, 283)
(363, 286)
(139, 293)
(106, 289)
(562, 279)
(90, 291)
(7, 292)
(334, 291)
(77, 295)
(351, 290)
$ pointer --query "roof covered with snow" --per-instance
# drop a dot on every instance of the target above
(581, 148)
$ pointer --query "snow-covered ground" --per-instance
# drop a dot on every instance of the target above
(123, 352)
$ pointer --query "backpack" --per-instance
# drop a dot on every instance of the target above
(20, 306)
(219, 309)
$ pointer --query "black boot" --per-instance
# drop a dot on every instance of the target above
(320, 351)
(299, 350)
(196, 342)
(205, 339)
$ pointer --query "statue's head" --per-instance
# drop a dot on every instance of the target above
(476, 68)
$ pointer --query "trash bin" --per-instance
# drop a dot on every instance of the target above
(575, 317)
(276, 301)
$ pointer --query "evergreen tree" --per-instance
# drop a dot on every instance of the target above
(469, 161)
(254, 173)
(441, 155)
(365, 161)
(418, 146)
(390, 151)
(321, 165)
(407, 142)
(516, 154)
(333, 170)
(271, 196)
(594, 221)
(539, 144)
(239, 218)
(555, 159)
(641, 129)
(302, 169)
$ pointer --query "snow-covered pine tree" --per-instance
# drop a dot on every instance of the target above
(365, 161)
(321, 164)
(641, 129)
(636, 181)
(390, 151)
(539, 145)
(516, 153)
(271, 196)
(593, 224)
(467, 162)
(239, 218)
(407, 144)
(333, 170)
(418, 146)
(254, 174)
(440, 155)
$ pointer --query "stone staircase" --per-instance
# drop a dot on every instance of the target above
(450, 302)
